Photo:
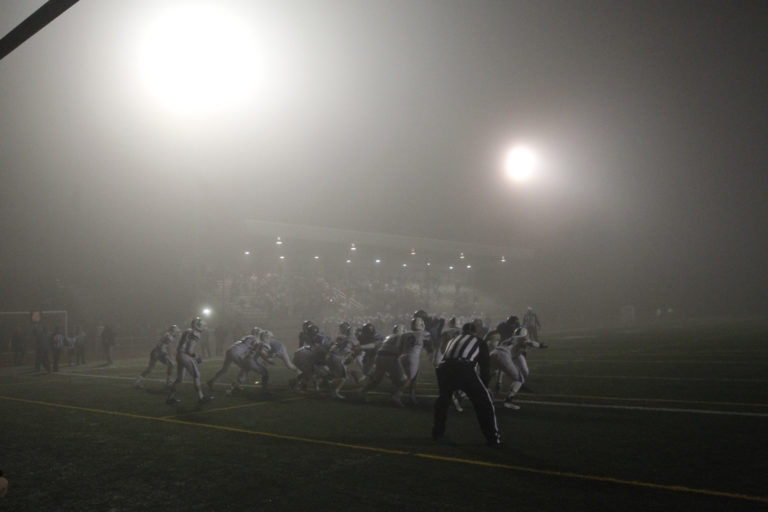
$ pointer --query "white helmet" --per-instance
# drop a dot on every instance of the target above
(398, 329)
(521, 332)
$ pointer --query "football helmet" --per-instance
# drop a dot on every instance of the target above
(521, 332)
(368, 330)
(417, 324)
(421, 314)
(196, 323)
(345, 328)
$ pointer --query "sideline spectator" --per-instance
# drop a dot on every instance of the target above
(41, 348)
(56, 342)
(80, 339)
(108, 336)
(18, 342)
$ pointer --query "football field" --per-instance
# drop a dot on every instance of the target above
(665, 417)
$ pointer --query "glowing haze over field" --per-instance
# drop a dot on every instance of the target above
(622, 143)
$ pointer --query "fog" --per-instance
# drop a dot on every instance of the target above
(649, 120)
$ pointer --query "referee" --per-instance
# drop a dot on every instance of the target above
(457, 372)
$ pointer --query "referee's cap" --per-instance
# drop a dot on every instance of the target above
(469, 328)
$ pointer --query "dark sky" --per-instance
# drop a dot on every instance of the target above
(649, 119)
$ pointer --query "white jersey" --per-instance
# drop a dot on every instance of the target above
(188, 342)
(163, 346)
(516, 345)
(412, 345)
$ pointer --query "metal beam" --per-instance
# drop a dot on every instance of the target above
(33, 24)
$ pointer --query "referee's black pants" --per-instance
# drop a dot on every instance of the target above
(457, 375)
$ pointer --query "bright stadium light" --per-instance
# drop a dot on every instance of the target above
(520, 163)
(206, 312)
(197, 58)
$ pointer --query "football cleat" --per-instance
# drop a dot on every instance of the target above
(509, 405)
(172, 400)
(206, 398)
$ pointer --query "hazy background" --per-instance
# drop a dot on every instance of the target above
(649, 117)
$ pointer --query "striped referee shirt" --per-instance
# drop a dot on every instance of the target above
(470, 349)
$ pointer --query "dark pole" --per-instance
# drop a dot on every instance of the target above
(34, 23)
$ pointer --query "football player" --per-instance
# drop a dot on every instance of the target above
(161, 353)
(412, 344)
(340, 353)
(187, 361)
(387, 362)
(237, 354)
(509, 358)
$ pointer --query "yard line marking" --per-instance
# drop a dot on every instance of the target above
(165, 419)
(608, 479)
(658, 400)
(634, 361)
(652, 409)
(241, 406)
(589, 397)
(623, 399)
(646, 377)
(522, 469)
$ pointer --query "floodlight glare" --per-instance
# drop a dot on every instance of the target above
(192, 58)
(206, 311)
(520, 163)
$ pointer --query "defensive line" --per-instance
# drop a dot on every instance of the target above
(519, 469)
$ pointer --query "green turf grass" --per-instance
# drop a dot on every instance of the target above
(640, 420)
